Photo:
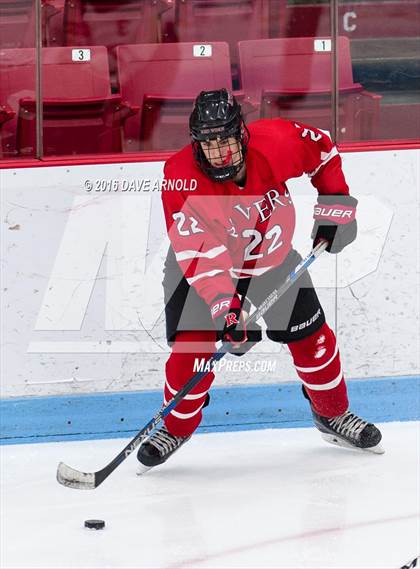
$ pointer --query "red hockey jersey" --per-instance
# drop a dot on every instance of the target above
(221, 232)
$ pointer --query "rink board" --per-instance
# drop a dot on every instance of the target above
(81, 296)
(116, 415)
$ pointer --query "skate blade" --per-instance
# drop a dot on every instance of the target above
(142, 469)
(334, 440)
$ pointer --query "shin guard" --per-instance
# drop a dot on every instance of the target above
(188, 348)
(317, 362)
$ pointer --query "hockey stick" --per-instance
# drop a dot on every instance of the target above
(412, 564)
(73, 478)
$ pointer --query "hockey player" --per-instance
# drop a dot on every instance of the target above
(230, 242)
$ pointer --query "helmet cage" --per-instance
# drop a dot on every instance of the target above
(240, 134)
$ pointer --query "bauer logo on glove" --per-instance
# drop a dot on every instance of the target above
(335, 221)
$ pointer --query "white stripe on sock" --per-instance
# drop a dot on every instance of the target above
(185, 415)
(324, 386)
(317, 368)
(189, 397)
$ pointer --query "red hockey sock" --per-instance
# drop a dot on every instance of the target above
(317, 362)
(187, 348)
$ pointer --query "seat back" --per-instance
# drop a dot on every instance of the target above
(66, 76)
(164, 80)
(112, 22)
(222, 20)
(17, 23)
(293, 66)
(86, 126)
(63, 79)
(292, 78)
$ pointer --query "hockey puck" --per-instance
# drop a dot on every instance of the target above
(94, 524)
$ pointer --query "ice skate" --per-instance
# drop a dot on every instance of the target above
(350, 431)
(157, 449)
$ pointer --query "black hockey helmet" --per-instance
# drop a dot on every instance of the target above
(217, 116)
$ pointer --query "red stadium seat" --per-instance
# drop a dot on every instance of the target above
(79, 113)
(223, 20)
(63, 132)
(287, 77)
(113, 22)
(164, 79)
(17, 22)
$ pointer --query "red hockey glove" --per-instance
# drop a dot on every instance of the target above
(226, 313)
(229, 320)
(335, 221)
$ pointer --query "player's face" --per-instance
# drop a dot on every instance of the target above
(222, 152)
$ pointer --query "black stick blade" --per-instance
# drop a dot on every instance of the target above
(72, 478)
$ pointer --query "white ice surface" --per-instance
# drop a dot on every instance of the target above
(273, 498)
